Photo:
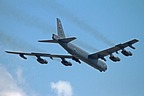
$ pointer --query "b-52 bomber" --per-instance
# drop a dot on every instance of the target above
(96, 60)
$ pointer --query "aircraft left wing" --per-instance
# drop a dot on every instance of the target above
(22, 54)
(111, 50)
(43, 61)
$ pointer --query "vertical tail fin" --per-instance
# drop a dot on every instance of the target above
(60, 29)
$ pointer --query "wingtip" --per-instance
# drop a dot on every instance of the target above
(137, 40)
(7, 51)
(41, 40)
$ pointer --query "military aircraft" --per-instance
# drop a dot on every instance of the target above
(96, 60)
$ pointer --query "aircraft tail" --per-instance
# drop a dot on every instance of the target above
(60, 30)
(60, 36)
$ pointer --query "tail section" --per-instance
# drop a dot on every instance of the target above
(67, 40)
(60, 37)
(60, 29)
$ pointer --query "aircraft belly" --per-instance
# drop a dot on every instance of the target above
(92, 63)
(97, 64)
(82, 55)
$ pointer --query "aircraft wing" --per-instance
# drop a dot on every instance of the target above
(111, 50)
(40, 55)
(52, 55)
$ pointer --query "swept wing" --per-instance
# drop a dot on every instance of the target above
(111, 50)
(41, 54)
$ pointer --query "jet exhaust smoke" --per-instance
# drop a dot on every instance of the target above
(83, 25)
(26, 19)
(37, 23)
(16, 43)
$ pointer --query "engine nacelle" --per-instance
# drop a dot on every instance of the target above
(76, 59)
(113, 58)
(126, 53)
(66, 63)
(22, 55)
(42, 61)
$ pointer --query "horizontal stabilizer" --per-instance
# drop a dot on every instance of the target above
(48, 41)
(67, 40)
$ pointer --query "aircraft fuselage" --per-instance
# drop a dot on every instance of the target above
(83, 55)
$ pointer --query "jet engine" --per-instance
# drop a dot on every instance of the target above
(113, 58)
(126, 53)
(66, 63)
(42, 61)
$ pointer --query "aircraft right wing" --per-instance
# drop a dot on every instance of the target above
(111, 50)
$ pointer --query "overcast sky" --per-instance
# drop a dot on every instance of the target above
(97, 24)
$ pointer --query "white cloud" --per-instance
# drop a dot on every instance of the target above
(12, 93)
(19, 76)
(62, 88)
(15, 85)
(8, 86)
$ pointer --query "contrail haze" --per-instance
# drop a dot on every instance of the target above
(83, 25)
(18, 44)
(33, 22)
